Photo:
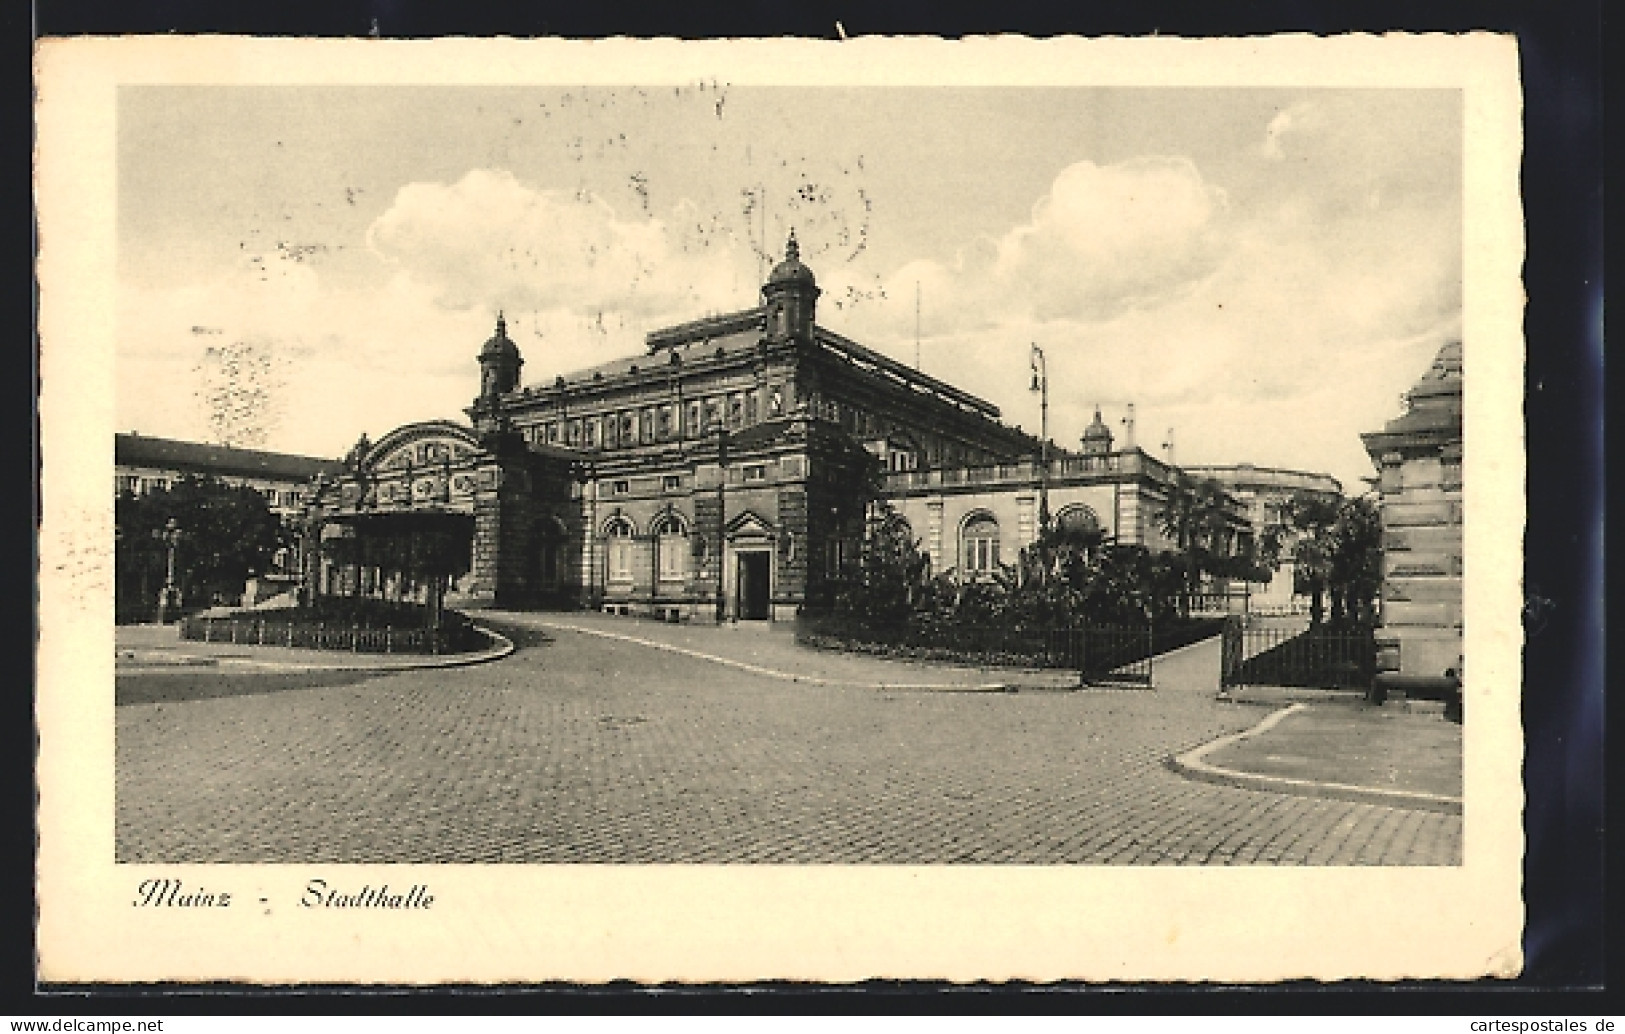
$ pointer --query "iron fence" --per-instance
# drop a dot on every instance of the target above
(1101, 654)
(454, 638)
(1321, 656)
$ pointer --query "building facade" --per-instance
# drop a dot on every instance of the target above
(1265, 492)
(142, 464)
(719, 475)
(1418, 459)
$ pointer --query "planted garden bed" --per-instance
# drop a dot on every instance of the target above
(339, 623)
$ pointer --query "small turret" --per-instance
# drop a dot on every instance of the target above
(1097, 437)
(790, 297)
(499, 364)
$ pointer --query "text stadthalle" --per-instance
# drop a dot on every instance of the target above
(319, 895)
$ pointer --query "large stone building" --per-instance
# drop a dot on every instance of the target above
(143, 463)
(1418, 457)
(1266, 492)
(716, 475)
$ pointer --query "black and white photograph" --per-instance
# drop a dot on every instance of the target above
(748, 474)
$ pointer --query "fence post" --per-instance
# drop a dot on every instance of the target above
(234, 631)
(389, 639)
(290, 633)
(355, 638)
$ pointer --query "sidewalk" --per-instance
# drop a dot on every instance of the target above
(159, 650)
(772, 652)
(1342, 748)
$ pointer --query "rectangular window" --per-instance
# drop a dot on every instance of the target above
(553, 434)
(620, 487)
(620, 559)
(670, 483)
(755, 472)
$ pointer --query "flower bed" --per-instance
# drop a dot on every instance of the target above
(359, 626)
(1021, 648)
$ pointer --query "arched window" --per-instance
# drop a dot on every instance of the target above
(1077, 518)
(980, 545)
(619, 535)
(671, 548)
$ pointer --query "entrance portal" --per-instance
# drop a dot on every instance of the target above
(753, 588)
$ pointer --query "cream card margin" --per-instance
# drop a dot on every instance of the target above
(700, 923)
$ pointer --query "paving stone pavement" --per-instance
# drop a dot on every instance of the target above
(583, 749)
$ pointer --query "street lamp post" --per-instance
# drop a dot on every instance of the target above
(1041, 385)
(169, 595)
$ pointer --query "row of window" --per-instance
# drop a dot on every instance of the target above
(663, 422)
(137, 485)
(674, 482)
(671, 548)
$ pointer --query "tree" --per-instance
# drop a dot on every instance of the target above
(1311, 518)
(1355, 568)
(228, 534)
(1193, 516)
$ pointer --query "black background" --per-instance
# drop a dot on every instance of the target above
(1560, 44)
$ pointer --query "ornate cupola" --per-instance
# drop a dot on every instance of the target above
(499, 364)
(1097, 437)
(790, 297)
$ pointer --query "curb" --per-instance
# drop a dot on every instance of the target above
(813, 680)
(502, 648)
(1191, 765)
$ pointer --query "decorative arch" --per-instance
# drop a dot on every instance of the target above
(669, 521)
(618, 525)
(423, 443)
(1078, 517)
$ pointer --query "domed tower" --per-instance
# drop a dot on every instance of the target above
(499, 364)
(790, 297)
(1097, 437)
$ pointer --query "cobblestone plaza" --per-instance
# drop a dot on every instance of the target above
(583, 749)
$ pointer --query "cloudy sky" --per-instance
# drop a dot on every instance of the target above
(1261, 271)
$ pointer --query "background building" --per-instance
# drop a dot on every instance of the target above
(1265, 492)
(142, 463)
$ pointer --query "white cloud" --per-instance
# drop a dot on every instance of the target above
(1296, 117)
(489, 240)
(1272, 333)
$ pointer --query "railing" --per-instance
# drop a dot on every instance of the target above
(1103, 654)
(1026, 471)
(454, 638)
(1321, 657)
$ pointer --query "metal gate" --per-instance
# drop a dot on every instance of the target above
(1106, 654)
(1321, 656)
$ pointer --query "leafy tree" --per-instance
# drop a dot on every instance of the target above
(228, 534)
(1312, 518)
(1193, 516)
(1355, 570)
